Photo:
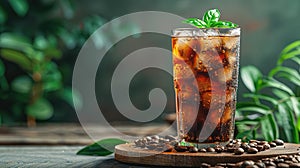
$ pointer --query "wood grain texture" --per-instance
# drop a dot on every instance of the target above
(128, 153)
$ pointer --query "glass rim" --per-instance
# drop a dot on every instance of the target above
(219, 31)
(209, 28)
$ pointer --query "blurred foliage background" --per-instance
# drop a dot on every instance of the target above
(40, 40)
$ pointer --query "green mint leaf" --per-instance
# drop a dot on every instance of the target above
(224, 24)
(211, 16)
(101, 148)
(195, 22)
(210, 20)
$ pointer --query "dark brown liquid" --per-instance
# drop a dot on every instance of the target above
(205, 81)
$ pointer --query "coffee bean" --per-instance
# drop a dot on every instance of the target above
(260, 148)
(218, 149)
(221, 164)
(283, 165)
(205, 165)
(162, 140)
(210, 149)
(272, 144)
(266, 146)
(261, 142)
(252, 141)
(180, 148)
(279, 142)
(229, 145)
(253, 144)
(202, 150)
(252, 151)
(247, 163)
(294, 160)
(295, 165)
(193, 150)
(230, 165)
(155, 137)
(239, 151)
(217, 166)
(260, 164)
(283, 156)
(148, 138)
(270, 164)
(152, 146)
(288, 162)
(230, 150)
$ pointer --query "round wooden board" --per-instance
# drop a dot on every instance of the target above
(128, 153)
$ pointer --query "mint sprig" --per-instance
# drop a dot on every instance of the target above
(210, 20)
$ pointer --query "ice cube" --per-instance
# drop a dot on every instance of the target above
(182, 70)
(231, 42)
(212, 32)
(222, 75)
(232, 58)
(227, 115)
(216, 102)
(211, 59)
(198, 64)
(184, 48)
(209, 43)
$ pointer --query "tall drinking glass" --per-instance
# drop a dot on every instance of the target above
(205, 66)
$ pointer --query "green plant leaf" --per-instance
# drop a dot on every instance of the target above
(288, 56)
(211, 16)
(288, 48)
(262, 97)
(40, 42)
(2, 69)
(288, 123)
(52, 85)
(3, 85)
(272, 83)
(253, 108)
(22, 84)
(289, 71)
(247, 121)
(17, 58)
(295, 105)
(19, 6)
(280, 94)
(296, 59)
(41, 109)
(269, 127)
(16, 42)
(251, 77)
(101, 148)
(298, 124)
(3, 16)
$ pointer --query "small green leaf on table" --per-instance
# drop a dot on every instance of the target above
(101, 148)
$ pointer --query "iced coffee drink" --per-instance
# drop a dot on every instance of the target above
(205, 64)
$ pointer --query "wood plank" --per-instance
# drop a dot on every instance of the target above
(128, 153)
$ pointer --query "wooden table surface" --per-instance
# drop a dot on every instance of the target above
(56, 146)
(54, 156)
